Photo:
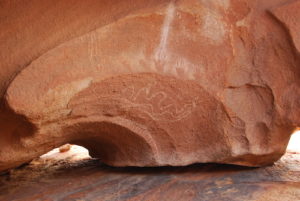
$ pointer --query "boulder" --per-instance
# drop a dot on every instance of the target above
(150, 83)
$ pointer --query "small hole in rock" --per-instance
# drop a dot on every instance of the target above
(59, 159)
(294, 143)
(68, 152)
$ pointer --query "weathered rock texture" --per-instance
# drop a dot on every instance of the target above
(91, 180)
(150, 83)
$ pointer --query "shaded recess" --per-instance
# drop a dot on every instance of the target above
(112, 143)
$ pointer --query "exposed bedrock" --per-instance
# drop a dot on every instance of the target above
(150, 83)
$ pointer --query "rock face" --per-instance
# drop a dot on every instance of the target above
(89, 179)
(150, 83)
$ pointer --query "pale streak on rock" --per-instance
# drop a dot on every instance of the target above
(172, 63)
(241, 23)
(225, 4)
(92, 47)
(161, 51)
(213, 27)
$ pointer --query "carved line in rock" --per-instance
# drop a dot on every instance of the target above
(168, 112)
(160, 104)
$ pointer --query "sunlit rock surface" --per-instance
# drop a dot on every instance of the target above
(150, 83)
(74, 153)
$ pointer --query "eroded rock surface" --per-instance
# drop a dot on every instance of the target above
(92, 180)
(150, 83)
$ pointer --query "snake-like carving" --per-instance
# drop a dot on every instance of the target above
(164, 82)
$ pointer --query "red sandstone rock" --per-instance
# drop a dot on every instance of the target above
(91, 180)
(65, 148)
(157, 83)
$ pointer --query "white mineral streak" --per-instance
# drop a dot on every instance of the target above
(170, 62)
(161, 51)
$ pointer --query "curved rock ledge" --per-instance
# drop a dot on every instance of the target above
(151, 83)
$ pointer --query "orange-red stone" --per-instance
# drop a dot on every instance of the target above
(150, 83)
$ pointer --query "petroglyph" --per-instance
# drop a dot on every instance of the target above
(161, 100)
(159, 105)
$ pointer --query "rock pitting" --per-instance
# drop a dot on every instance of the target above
(159, 83)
